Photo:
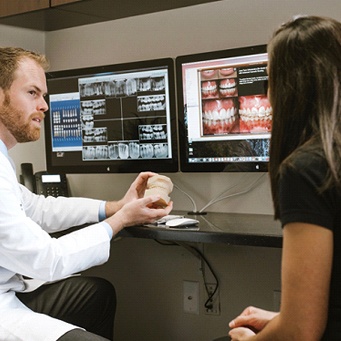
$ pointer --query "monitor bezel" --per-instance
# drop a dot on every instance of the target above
(118, 166)
(184, 164)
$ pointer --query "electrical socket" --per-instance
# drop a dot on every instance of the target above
(215, 302)
(191, 297)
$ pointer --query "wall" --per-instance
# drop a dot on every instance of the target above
(148, 276)
(212, 26)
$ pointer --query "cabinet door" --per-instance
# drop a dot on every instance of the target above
(12, 7)
(62, 2)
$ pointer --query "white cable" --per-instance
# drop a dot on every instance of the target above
(213, 200)
(187, 195)
(217, 199)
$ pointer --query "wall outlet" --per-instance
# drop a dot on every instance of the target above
(191, 297)
(214, 304)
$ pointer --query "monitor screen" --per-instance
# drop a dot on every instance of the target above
(224, 114)
(112, 119)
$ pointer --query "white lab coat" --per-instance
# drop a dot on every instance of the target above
(27, 249)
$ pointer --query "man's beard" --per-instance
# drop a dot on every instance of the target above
(12, 119)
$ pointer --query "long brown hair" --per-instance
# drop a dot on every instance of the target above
(304, 89)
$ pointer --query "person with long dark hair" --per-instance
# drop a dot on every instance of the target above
(305, 173)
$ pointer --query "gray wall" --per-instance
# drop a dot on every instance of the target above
(149, 276)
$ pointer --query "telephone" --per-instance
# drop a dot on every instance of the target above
(43, 183)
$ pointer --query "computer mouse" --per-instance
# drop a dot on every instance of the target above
(181, 222)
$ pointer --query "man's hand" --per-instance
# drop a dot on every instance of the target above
(137, 212)
(135, 191)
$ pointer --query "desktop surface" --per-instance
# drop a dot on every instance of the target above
(227, 228)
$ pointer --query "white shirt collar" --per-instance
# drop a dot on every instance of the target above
(3, 149)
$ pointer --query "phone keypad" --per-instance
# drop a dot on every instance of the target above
(54, 191)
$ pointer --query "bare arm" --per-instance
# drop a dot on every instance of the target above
(306, 273)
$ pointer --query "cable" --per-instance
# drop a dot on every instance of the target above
(213, 200)
(187, 195)
(197, 253)
(165, 243)
(218, 198)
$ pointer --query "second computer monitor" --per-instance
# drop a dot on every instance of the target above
(224, 113)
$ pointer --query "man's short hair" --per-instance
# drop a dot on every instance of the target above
(10, 57)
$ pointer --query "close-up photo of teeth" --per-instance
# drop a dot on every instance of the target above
(160, 150)
(209, 89)
(133, 150)
(101, 152)
(147, 151)
(145, 84)
(255, 114)
(89, 153)
(227, 87)
(219, 116)
(87, 121)
(95, 135)
(218, 73)
(158, 83)
(124, 150)
(153, 132)
(151, 103)
(227, 72)
(95, 152)
(95, 107)
(88, 89)
(218, 83)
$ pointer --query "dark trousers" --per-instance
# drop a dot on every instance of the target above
(87, 302)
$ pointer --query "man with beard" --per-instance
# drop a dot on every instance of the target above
(55, 305)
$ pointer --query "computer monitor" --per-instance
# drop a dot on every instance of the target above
(224, 113)
(117, 118)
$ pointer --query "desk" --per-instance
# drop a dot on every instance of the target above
(227, 228)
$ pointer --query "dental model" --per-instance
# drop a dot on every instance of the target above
(159, 185)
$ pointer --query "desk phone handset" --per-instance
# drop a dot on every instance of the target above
(44, 183)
